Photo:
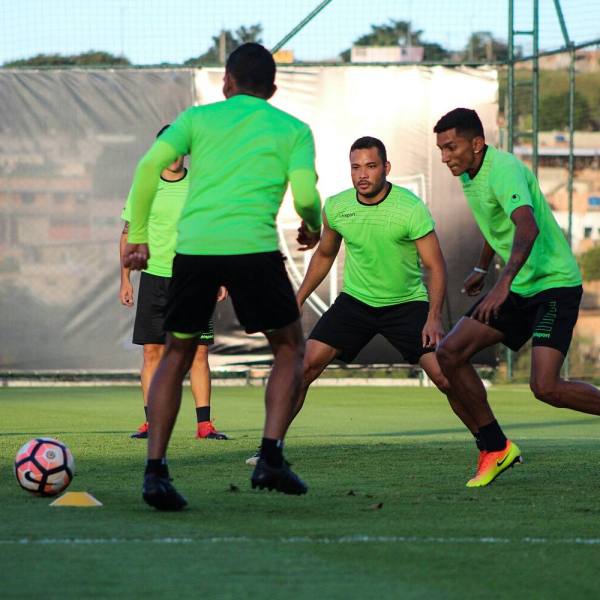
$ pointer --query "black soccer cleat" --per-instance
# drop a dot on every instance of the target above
(160, 493)
(282, 479)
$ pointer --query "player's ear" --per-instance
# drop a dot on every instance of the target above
(228, 85)
(273, 90)
(478, 144)
(388, 167)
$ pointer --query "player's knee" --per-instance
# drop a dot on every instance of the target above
(311, 369)
(201, 355)
(546, 391)
(152, 354)
(200, 363)
(440, 381)
(447, 358)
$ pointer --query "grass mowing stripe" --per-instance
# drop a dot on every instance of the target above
(355, 539)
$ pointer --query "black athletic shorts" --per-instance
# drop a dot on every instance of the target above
(151, 311)
(548, 317)
(349, 325)
(258, 285)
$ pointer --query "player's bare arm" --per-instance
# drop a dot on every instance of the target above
(126, 290)
(433, 261)
(475, 281)
(526, 233)
(321, 262)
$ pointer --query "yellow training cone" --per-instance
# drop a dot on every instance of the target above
(76, 499)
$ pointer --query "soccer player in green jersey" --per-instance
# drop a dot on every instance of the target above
(388, 233)
(243, 154)
(152, 296)
(536, 295)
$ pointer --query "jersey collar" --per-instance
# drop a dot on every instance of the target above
(376, 203)
(485, 148)
(185, 172)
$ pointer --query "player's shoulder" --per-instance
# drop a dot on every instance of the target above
(341, 198)
(286, 119)
(200, 110)
(500, 160)
(404, 196)
(505, 167)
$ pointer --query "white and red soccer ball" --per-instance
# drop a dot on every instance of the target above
(44, 466)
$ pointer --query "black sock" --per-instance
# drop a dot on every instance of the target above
(479, 442)
(158, 466)
(492, 436)
(202, 413)
(271, 451)
(146, 413)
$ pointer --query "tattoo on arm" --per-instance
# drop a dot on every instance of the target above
(521, 248)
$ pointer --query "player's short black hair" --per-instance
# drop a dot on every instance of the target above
(253, 68)
(370, 142)
(465, 120)
(164, 128)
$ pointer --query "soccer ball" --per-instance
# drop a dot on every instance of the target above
(44, 466)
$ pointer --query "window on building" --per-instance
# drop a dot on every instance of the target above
(587, 232)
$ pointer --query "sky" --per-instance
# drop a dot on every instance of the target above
(154, 32)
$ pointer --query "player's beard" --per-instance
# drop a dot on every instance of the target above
(376, 190)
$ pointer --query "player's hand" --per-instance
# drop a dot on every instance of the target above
(136, 256)
(490, 306)
(126, 293)
(222, 294)
(306, 238)
(433, 332)
(473, 284)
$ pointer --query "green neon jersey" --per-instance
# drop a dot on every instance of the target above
(382, 265)
(243, 153)
(502, 184)
(162, 224)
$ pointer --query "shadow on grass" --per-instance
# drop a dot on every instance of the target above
(244, 433)
(240, 433)
(449, 430)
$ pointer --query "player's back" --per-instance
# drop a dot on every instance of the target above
(242, 151)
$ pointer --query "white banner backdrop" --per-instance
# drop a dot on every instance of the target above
(399, 105)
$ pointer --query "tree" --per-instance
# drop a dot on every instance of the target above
(231, 41)
(590, 263)
(554, 112)
(483, 46)
(90, 58)
(398, 33)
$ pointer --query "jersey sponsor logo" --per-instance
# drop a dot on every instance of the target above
(347, 215)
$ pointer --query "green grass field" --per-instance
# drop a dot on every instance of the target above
(534, 533)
